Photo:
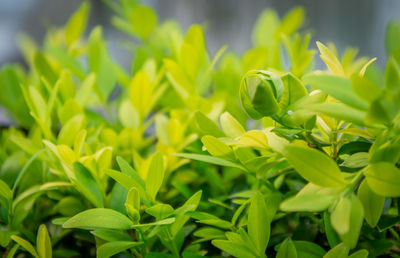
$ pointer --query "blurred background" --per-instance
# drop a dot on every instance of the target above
(358, 23)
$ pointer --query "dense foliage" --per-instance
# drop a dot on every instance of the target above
(189, 155)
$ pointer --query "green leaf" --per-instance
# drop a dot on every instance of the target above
(141, 93)
(339, 111)
(350, 238)
(112, 248)
(143, 20)
(126, 181)
(43, 68)
(69, 131)
(392, 74)
(235, 249)
(217, 148)
(230, 125)
(292, 21)
(331, 235)
(337, 87)
(101, 64)
(157, 223)
(210, 159)
(392, 39)
(364, 88)
(338, 251)
(384, 179)
(99, 218)
(190, 205)
(363, 253)
(258, 224)
(39, 105)
(356, 160)
(207, 126)
(307, 249)
(128, 115)
(314, 166)
(77, 23)
(12, 97)
(128, 170)
(340, 217)
(160, 211)
(5, 190)
(371, 202)
(264, 31)
(25, 244)
(13, 250)
(83, 93)
(87, 185)
(111, 235)
(43, 243)
(312, 202)
(287, 249)
(216, 223)
(155, 175)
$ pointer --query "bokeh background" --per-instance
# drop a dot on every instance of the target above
(358, 23)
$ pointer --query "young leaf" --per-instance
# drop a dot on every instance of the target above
(143, 20)
(254, 138)
(99, 218)
(43, 243)
(230, 125)
(330, 59)
(217, 148)
(314, 166)
(77, 23)
(258, 225)
(155, 175)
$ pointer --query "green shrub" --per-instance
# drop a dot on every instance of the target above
(162, 160)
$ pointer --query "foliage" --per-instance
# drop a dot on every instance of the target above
(160, 160)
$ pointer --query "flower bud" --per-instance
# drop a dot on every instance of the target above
(132, 204)
(260, 93)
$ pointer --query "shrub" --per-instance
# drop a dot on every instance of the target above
(162, 160)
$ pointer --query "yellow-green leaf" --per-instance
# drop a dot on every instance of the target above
(43, 243)
(384, 179)
(314, 166)
(77, 23)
